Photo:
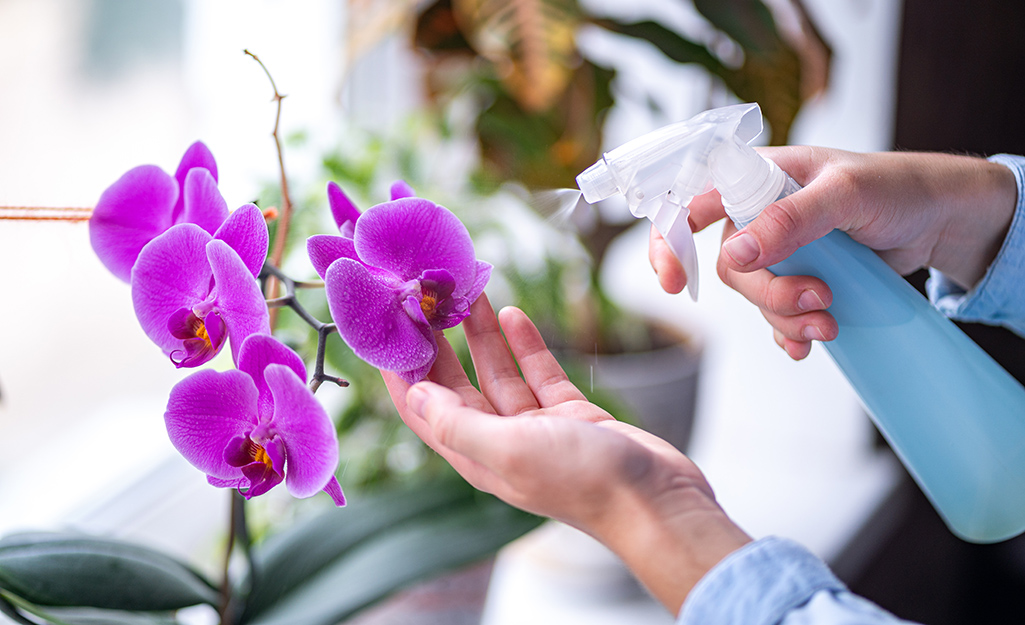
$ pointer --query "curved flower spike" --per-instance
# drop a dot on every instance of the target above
(192, 292)
(410, 270)
(146, 202)
(256, 426)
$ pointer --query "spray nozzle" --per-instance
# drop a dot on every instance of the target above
(661, 172)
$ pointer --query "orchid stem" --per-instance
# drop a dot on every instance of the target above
(280, 302)
(285, 218)
(224, 609)
(319, 377)
(238, 536)
(242, 532)
(290, 300)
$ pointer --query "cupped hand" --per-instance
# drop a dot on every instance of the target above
(537, 443)
(914, 209)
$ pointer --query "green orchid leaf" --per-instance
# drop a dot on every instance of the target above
(84, 616)
(290, 559)
(17, 608)
(54, 569)
(393, 559)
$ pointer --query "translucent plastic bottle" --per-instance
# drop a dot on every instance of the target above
(955, 418)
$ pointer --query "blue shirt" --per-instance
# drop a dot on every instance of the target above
(774, 581)
(998, 299)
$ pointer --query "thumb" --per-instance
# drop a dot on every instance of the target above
(777, 232)
(428, 400)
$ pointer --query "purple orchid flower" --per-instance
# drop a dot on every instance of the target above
(253, 427)
(146, 201)
(193, 291)
(408, 270)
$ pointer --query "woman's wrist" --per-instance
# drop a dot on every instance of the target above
(671, 541)
(981, 205)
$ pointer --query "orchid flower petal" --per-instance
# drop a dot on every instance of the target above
(203, 204)
(411, 235)
(334, 490)
(372, 320)
(257, 352)
(197, 155)
(205, 412)
(400, 189)
(172, 273)
(240, 302)
(342, 208)
(234, 482)
(479, 281)
(416, 375)
(324, 249)
(245, 230)
(129, 214)
(311, 447)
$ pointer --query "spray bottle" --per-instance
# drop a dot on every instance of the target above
(954, 417)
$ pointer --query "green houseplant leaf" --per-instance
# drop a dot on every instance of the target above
(289, 559)
(398, 556)
(529, 41)
(748, 22)
(54, 569)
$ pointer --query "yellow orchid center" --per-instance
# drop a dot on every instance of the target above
(257, 453)
(429, 304)
(261, 455)
(201, 332)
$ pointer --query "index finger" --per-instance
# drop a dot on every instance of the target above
(497, 374)
(541, 371)
(705, 210)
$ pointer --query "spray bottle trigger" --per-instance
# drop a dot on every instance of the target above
(680, 239)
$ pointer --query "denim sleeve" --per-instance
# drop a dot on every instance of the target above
(775, 581)
(999, 298)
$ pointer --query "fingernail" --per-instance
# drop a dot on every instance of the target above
(810, 300)
(742, 248)
(416, 397)
(812, 333)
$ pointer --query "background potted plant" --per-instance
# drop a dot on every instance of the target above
(539, 105)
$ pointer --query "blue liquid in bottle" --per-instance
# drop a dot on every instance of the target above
(954, 417)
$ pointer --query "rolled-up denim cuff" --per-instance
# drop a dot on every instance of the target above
(759, 584)
(999, 297)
